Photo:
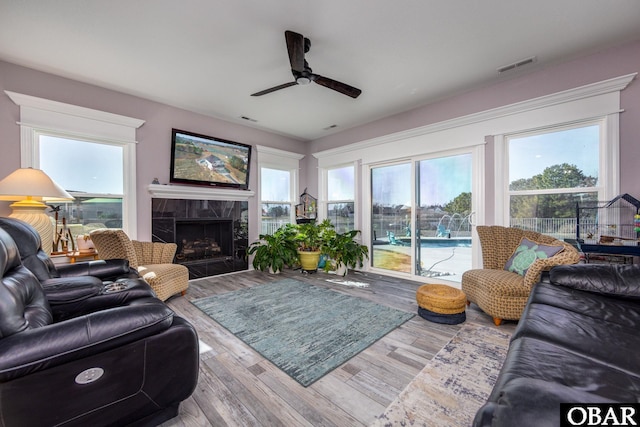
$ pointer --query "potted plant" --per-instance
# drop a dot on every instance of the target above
(275, 251)
(311, 240)
(345, 252)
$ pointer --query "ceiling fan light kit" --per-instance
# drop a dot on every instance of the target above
(297, 46)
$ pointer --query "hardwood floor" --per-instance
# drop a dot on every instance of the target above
(239, 387)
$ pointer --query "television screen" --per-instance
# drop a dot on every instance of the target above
(205, 160)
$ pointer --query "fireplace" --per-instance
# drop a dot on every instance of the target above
(201, 239)
(212, 235)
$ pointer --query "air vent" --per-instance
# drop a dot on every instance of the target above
(249, 119)
(517, 64)
(330, 127)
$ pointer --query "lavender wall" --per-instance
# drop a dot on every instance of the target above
(613, 62)
(153, 136)
(153, 151)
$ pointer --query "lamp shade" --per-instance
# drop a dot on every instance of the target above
(32, 184)
(31, 189)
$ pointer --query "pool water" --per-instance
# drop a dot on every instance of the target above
(446, 243)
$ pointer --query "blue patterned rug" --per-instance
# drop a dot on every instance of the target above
(304, 330)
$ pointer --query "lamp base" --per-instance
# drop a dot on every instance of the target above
(33, 213)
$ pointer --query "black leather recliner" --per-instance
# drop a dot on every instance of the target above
(75, 288)
(123, 358)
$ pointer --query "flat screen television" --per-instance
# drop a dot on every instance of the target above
(205, 160)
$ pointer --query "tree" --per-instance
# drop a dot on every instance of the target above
(460, 204)
(549, 205)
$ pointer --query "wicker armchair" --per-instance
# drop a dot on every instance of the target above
(153, 260)
(500, 293)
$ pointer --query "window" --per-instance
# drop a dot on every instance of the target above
(90, 153)
(278, 187)
(98, 187)
(277, 202)
(341, 198)
(550, 172)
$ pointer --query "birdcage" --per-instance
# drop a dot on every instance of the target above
(307, 209)
(609, 223)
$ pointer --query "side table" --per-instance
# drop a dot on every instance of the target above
(73, 256)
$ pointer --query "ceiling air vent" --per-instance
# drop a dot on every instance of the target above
(248, 118)
(330, 127)
(517, 64)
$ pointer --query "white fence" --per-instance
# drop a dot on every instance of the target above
(561, 228)
(270, 226)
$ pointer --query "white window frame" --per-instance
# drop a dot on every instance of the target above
(273, 158)
(608, 172)
(39, 116)
(323, 190)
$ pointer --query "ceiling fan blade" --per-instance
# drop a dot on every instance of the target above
(343, 88)
(295, 48)
(273, 89)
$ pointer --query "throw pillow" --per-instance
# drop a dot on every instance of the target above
(527, 253)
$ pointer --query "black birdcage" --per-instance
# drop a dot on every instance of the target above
(307, 209)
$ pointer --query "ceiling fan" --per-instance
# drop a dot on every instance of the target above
(297, 46)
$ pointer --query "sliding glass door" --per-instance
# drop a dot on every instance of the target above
(391, 217)
(443, 229)
(422, 229)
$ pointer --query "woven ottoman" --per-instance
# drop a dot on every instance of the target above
(441, 304)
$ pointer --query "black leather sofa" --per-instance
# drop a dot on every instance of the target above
(578, 341)
(80, 350)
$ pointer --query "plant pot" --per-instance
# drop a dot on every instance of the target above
(271, 271)
(341, 270)
(309, 260)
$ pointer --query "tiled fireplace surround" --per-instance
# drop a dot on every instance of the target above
(210, 226)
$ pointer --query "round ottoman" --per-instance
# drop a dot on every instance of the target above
(441, 304)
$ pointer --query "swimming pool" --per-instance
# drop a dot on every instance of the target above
(438, 242)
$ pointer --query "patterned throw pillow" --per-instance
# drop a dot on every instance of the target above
(527, 253)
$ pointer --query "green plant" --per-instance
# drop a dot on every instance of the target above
(344, 250)
(312, 237)
(275, 250)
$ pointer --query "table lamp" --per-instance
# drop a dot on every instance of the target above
(30, 189)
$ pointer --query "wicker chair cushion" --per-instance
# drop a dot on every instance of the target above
(165, 279)
(527, 253)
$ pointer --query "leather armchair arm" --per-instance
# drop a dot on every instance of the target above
(64, 290)
(104, 269)
(599, 278)
(42, 348)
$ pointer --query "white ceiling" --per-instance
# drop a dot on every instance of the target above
(208, 56)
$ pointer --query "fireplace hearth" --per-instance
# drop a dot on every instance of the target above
(211, 234)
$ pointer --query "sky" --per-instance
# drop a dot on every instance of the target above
(530, 155)
(82, 166)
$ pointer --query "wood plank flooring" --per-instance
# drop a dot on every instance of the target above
(239, 387)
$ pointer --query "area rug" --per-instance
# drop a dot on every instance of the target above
(455, 384)
(304, 330)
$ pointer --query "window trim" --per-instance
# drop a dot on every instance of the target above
(40, 116)
(273, 158)
(323, 191)
(609, 164)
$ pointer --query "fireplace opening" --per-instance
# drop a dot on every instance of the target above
(203, 239)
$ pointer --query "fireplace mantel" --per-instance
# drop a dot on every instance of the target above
(167, 191)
